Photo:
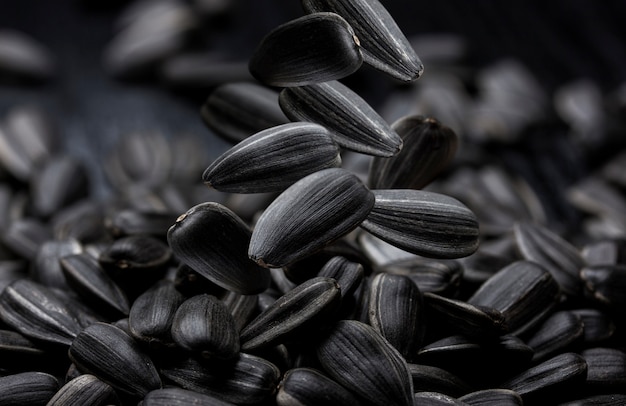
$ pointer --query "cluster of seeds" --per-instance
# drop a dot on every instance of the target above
(292, 278)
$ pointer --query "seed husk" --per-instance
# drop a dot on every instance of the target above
(273, 159)
(442, 277)
(46, 267)
(213, 241)
(545, 381)
(236, 110)
(151, 314)
(460, 317)
(249, 380)
(427, 148)
(539, 244)
(313, 48)
(87, 278)
(493, 397)
(37, 312)
(242, 307)
(308, 386)
(309, 215)
(304, 306)
(384, 46)
(27, 388)
(524, 291)
(349, 276)
(556, 334)
(597, 325)
(25, 235)
(428, 378)
(614, 399)
(136, 222)
(204, 325)
(396, 311)
(605, 284)
(352, 122)
(435, 399)
(24, 58)
(360, 359)
(178, 396)
(84, 390)
(108, 353)
(423, 223)
(606, 368)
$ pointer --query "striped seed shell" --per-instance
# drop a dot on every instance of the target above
(352, 123)
(308, 386)
(613, 399)
(598, 326)
(114, 357)
(179, 397)
(310, 302)
(242, 307)
(525, 292)
(203, 324)
(213, 241)
(539, 244)
(309, 215)
(92, 283)
(606, 368)
(313, 48)
(440, 276)
(423, 223)
(492, 397)
(17, 350)
(547, 381)
(151, 314)
(135, 222)
(427, 148)
(605, 285)
(27, 388)
(83, 390)
(234, 111)
(250, 380)
(273, 159)
(349, 276)
(46, 268)
(396, 312)
(435, 399)
(37, 312)
(557, 333)
(384, 46)
(460, 317)
(360, 359)
(428, 378)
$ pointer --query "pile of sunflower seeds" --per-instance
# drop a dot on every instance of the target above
(281, 273)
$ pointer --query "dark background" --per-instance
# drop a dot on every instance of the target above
(559, 41)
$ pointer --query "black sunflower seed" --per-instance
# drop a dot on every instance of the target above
(27, 388)
(314, 48)
(307, 386)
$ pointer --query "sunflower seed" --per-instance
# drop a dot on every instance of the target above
(22, 57)
(442, 277)
(525, 292)
(151, 314)
(19, 353)
(115, 358)
(349, 276)
(604, 252)
(179, 396)
(428, 147)
(87, 278)
(556, 334)
(25, 235)
(597, 325)
(606, 368)
(237, 110)
(36, 312)
(27, 388)
(396, 312)
(361, 360)
(539, 244)
(307, 386)
(493, 397)
(273, 159)
(46, 267)
(84, 390)
(313, 212)
(34, 130)
(82, 221)
(311, 49)
(247, 381)
(133, 222)
(604, 284)
(306, 305)
(615, 399)
(352, 123)
(424, 223)
(242, 307)
(62, 180)
(546, 381)
(384, 46)
(213, 240)
(460, 317)
(432, 379)
(203, 324)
